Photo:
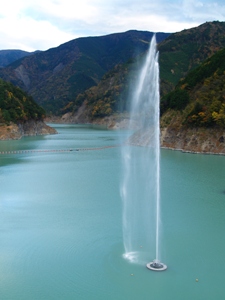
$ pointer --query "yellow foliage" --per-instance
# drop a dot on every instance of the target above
(207, 82)
(219, 118)
(201, 114)
(183, 86)
(9, 94)
(194, 117)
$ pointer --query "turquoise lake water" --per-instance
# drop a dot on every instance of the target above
(61, 222)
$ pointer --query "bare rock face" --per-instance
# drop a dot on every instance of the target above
(193, 140)
(196, 140)
(29, 128)
(23, 75)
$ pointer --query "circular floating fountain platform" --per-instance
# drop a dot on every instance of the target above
(156, 265)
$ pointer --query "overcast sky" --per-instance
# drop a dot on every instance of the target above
(42, 24)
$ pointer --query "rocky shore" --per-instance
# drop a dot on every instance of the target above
(110, 122)
(29, 128)
(194, 140)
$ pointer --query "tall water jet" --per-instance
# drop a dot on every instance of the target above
(140, 188)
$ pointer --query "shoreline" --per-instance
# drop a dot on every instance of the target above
(29, 128)
(209, 141)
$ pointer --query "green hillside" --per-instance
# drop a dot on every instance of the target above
(199, 98)
(16, 106)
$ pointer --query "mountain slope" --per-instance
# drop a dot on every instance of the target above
(59, 78)
(16, 106)
(179, 50)
(111, 96)
(199, 99)
(55, 77)
(183, 51)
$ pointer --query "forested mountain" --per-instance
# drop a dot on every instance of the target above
(178, 54)
(199, 98)
(96, 72)
(55, 77)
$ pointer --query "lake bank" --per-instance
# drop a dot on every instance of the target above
(192, 140)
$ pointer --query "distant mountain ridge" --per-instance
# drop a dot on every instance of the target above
(56, 76)
(9, 56)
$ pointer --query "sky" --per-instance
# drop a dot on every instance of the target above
(42, 24)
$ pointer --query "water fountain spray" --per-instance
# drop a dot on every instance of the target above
(140, 188)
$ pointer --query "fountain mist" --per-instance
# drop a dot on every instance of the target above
(140, 189)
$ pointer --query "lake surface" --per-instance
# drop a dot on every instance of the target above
(61, 222)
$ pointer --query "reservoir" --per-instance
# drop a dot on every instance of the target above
(61, 221)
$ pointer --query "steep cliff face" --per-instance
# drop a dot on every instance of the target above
(29, 128)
